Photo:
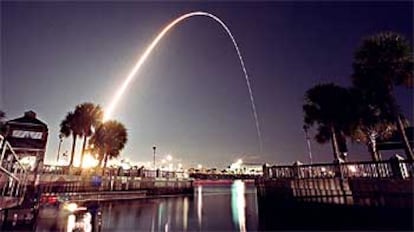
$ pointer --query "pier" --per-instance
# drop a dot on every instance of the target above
(333, 195)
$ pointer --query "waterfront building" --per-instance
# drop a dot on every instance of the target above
(239, 167)
(28, 136)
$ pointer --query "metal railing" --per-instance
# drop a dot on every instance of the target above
(367, 169)
(131, 172)
(13, 176)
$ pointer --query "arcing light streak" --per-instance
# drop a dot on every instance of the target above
(154, 43)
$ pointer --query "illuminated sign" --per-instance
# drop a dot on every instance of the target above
(27, 134)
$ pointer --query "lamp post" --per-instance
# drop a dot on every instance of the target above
(60, 144)
(154, 148)
(305, 129)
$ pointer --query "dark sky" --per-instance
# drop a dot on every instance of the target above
(190, 97)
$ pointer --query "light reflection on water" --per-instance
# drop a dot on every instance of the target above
(199, 205)
(238, 204)
(225, 208)
(71, 222)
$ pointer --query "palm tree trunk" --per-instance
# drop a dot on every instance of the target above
(334, 143)
(72, 154)
(406, 143)
(99, 163)
(105, 162)
(83, 150)
(343, 147)
(372, 144)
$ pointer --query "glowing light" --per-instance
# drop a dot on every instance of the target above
(28, 161)
(352, 168)
(169, 157)
(118, 94)
(199, 166)
(89, 161)
(71, 207)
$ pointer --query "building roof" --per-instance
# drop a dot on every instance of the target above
(29, 117)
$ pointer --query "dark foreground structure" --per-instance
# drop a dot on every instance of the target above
(343, 196)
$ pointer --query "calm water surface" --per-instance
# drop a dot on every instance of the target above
(212, 208)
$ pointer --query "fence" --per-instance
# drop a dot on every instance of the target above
(384, 183)
(132, 172)
(393, 168)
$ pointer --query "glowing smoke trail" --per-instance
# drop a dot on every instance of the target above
(154, 43)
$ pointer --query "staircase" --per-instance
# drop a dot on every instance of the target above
(13, 177)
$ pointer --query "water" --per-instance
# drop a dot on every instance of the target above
(232, 207)
(153, 44)
(212, 208)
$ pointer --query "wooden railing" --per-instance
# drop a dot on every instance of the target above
(393, 168)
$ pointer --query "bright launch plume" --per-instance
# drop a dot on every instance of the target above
(118, 95)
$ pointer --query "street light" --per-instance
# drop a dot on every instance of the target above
(60, 144)
(154, 148)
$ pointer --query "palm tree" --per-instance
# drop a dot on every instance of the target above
(382, 62)
(108, 140)
(329, 107)
(90, 117)
(372, 122)
(70, 125)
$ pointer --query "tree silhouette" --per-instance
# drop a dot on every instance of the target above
(70, 126)
(89, 117)
(329, 107)
(108, 140)
(382, 62)
(371, 123)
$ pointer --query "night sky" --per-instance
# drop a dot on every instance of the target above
(190, 98)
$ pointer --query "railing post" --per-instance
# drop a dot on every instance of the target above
(398, 168)
(296, 170)
(265, 171)
(338, 168)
